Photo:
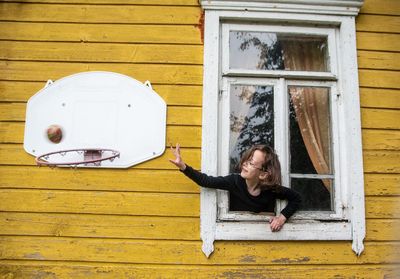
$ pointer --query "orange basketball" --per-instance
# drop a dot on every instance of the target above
(54, 133)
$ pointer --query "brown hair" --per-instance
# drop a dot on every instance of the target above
(271, 164)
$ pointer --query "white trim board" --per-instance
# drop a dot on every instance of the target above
(338, 14)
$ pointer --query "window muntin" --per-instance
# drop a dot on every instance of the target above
(274, 51)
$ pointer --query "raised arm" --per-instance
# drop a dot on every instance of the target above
(202, 179)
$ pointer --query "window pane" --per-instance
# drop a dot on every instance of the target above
(277, 51)
(251, 119)
(315, 193)
(310, 137)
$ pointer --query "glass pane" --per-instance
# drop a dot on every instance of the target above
(315, 193)
(277, 51)
(310, 137)
(251, 119)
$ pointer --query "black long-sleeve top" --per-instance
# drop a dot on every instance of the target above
(241, 199)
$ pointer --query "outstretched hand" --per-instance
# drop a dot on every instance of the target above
(178, 159)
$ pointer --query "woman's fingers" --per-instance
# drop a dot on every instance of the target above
(178, 160)
(276, 224)
(176, 150)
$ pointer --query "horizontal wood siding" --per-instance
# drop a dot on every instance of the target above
(143, 222)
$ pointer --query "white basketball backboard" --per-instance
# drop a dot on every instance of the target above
(98, 110)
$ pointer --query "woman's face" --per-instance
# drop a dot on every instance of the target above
(252, 168)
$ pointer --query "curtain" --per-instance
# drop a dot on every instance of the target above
(310, 103)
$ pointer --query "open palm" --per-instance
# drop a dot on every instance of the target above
(178, 159)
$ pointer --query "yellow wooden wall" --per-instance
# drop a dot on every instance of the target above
(143, 222)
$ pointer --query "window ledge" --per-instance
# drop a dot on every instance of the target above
(290, 231)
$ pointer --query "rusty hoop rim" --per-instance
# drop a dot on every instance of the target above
(41, 162)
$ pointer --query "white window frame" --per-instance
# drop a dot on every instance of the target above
(280, 83)
(336, 13)
(281, 139)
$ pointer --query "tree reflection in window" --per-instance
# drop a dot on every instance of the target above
(277, 51)
(252, 106)
(257, 50)
(251, 119)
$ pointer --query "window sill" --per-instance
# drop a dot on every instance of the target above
(290, 231)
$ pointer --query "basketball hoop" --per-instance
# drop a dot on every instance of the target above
(75, 157)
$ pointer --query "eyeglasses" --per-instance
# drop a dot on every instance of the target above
(251, 164)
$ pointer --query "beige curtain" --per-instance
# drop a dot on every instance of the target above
(310, 104)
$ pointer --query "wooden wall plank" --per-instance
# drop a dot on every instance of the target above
(176, 115)
(13, 132)
(179, 115)
(138, 179)
(379, 98)
(120, 33)
(378, 60)
(382, 207)
(16, 155)
(104, 52)
(134, 179)
(12, 111)
(374, 161)
(383, 7)
(182, 95)
(381, 162)
(67, 270)
(378, 41)
(42, 71)
(378, 23)
(376, 78)
(381, 139)
(20, 157)
(100, 226)
(382, 229)
(14, 91)
(100, 13)
(380, 118)
(243, 253)
(382, 184)
(109, 203)
(184, 116)
(138, 203)
(186, 136)
(138, 227)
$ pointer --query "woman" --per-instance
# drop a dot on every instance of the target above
(255, 189)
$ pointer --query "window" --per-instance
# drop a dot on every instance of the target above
(288, 80)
